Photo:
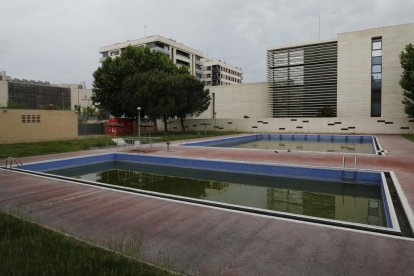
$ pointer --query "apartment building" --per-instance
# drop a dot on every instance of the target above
(179, 53)
(217, 72)
(356, 75)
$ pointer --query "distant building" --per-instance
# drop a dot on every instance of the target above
(217, 72)
(43, 95)
(355, 75)
(179, 53)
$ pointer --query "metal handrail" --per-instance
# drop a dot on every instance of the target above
(353, 169)
(10, 160)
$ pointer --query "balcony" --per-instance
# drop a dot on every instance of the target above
(161, 50)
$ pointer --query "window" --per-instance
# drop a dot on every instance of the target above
(377, 44)
(376, 76)
(376, 60)
(183, 54)
(376, 68)
(114, 53)
(377, 53)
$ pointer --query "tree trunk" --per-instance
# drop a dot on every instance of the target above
(165, 124)
(155, 124)
(182, 124)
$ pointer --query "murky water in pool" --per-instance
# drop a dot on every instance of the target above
(331, 200)
(302, 146)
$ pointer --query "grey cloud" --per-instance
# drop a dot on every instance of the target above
(58, 41)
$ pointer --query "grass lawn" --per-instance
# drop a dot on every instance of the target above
(409, 137)
(29, 249)
(40, 148)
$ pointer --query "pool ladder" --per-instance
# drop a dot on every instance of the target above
(345, 177)
(16, 161)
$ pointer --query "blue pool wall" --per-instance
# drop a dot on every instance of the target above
(388, 218)
(324, 174)
(365, 139)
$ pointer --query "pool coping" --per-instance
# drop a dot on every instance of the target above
(377, 148)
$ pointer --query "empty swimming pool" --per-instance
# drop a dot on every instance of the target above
(297, 142)
(303, 193)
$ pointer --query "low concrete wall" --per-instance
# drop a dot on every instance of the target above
(27, 125)
(302, 125)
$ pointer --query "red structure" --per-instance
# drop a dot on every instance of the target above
(120, 126)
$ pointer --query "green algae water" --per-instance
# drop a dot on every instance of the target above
(330, 200)
(303, 146)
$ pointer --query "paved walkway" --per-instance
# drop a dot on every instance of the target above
(201, 240)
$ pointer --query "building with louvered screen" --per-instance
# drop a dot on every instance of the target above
(34, 95)
(302, 79)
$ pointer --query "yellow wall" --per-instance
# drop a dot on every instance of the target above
(53, 125)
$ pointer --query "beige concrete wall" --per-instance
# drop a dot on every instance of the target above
(345, 125)
(4, 93)
(80, 97)
(394, 40)
(354, 70)
(236, 101)
(53, 125)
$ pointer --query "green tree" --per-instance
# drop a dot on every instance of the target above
(191, 97)
(119, 84)
(89, 111)
(15, 105)
(407, 78)
(148, 79)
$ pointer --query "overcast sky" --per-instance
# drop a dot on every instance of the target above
(58, 40)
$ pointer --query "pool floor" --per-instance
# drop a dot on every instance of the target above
(303, 146)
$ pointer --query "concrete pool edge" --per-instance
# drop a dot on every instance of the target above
(337, 174)
(394, 229)
(376, 146)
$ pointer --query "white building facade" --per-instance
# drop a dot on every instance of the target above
(217, 72)
(356, 76)
(369, 71)
(180, 54)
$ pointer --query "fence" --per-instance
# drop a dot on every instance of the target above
(91, 129)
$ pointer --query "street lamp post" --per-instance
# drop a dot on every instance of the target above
(139, 124)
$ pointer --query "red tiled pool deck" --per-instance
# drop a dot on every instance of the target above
(195, 239)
